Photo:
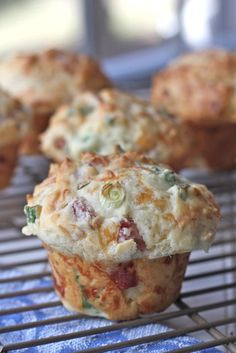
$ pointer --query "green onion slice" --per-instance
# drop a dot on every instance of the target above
(32, 213)
(82, 185)
(170, 178)
(85, 303)
(84, 110)
(183, 191)
(112, 195)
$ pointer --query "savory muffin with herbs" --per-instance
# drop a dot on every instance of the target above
(200, 89)
(13, 126)
(46, 80)
(99, 122)
(118, 230)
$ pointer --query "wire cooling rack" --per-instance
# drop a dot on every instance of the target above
(206, 308)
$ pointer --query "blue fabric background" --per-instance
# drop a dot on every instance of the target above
(82, 324)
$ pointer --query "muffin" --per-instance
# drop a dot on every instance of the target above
(118, 230)
(45, 81)
(200, 88)
(101, 121)
(13, 127)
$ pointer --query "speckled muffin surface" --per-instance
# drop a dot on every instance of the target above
(13, 126)
(199, 87)
(46, 80)
(117, 291)
(99, 122)
(118, 230)
(121, 207)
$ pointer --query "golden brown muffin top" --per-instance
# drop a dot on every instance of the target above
(120, 207)
(199, 87)
(46, 80)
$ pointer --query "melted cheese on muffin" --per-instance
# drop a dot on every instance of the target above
(120, 207)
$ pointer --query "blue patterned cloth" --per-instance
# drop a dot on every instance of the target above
(78, 325)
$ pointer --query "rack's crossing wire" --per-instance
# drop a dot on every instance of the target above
(206, 308)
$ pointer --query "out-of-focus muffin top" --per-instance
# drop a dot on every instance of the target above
(14, 118)
(46, 80)
(199, 87)
(99, 122)
(120, 207)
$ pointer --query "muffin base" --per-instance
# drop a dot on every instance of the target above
(8, 159)
(117, 291)
(215, 146)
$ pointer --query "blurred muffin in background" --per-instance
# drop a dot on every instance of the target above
(13, 127)
(200, 89)
(99, 122)
(46, 80)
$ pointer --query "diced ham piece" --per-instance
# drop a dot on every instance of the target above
(124, 276)
(59, 142)
(82, 209)
(59, 287)
(128, 230)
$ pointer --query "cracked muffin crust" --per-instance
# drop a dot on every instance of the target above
(118, 230)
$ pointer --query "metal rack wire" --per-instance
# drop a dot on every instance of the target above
(206, 308)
